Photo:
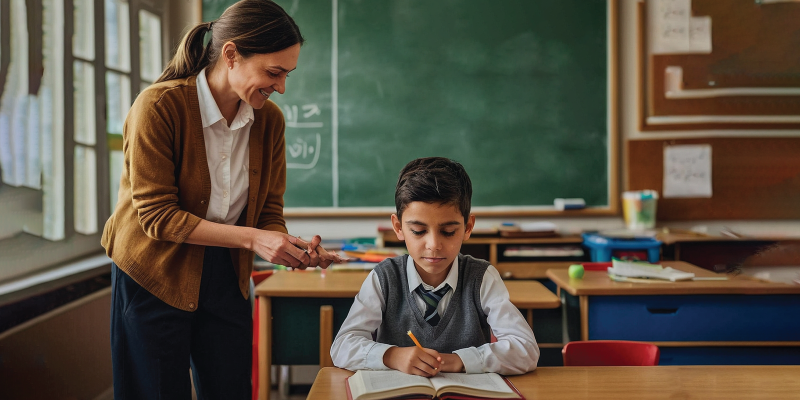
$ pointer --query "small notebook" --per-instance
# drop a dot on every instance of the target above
(379, 385)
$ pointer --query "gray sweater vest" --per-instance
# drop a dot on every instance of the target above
(463, 323)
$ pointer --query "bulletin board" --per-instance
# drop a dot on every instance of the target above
(711, 64)
(751, 178)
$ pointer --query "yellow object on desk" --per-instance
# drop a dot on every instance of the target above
(414, 338)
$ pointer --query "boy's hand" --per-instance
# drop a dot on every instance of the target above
(451, 363)
(413, 360)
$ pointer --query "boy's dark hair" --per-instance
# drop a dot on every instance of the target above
(434, 180)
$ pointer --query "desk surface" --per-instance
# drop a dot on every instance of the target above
(621, 383)
(598, 283)
(339, 284)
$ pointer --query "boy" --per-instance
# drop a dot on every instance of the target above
(452, 303)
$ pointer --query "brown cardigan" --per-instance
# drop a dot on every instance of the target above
(166, 186)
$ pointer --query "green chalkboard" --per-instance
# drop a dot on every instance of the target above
(516, 90)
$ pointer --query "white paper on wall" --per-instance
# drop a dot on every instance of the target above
(675, 31)
(700, 35)
(687, 171)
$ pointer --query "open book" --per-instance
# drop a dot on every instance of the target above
(374, 385)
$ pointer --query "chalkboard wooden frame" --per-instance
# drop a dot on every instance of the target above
(612, 127)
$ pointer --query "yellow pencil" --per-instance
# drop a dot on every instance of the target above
(414, 339)
(416, 342)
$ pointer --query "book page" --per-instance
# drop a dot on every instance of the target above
(473, 384)
(378, 383)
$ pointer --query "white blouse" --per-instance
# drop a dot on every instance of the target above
(228, 154)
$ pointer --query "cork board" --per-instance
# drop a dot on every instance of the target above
(752, 178)
(749, 80)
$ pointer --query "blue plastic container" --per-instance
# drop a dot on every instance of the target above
(601, 247)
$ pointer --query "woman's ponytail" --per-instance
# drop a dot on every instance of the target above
(254, 26)
(191, 56)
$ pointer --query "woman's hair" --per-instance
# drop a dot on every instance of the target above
(434, 180)
(254, 26)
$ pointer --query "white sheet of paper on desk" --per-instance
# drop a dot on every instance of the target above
(687, 171)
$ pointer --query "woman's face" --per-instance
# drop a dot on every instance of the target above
(255, 78)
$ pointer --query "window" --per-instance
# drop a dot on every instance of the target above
(61, 132)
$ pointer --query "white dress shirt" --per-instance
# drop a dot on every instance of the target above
(228, 154)
(515, 351)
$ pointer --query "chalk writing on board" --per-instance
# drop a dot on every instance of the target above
(303, 153)
(293, 116)
(687, 171)
(302, 145)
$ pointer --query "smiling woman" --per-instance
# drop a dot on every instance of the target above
(202, 187)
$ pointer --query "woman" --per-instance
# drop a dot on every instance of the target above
(201, 190)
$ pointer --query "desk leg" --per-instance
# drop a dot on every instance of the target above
(584, 301)
(325, 336)
(264, 347)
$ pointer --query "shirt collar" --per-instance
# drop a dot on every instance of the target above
(413, 278)
(209, 111)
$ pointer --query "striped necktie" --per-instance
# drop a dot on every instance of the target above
(432, 299)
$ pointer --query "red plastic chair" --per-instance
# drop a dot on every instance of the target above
(610, 353)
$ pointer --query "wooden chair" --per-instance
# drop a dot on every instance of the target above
(610, 353)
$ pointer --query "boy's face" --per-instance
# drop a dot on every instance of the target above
(433, 234)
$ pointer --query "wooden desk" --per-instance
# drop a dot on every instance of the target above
(735, 321)
(623, 383)
(291, 302)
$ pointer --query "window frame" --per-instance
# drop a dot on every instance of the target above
(50, 255)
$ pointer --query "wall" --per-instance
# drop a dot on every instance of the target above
(352, 227)
(182, 15)
(64, 354)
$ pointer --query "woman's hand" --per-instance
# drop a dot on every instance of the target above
(275, 247)
(279, 248)
(283, 249)
(413, 360)
(319, 256)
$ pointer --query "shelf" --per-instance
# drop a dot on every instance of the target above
(490, 248)
(391, 240)
(529, 269)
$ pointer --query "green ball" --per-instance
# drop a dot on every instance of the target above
(576, 271)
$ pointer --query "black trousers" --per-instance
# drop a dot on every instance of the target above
(153, 344)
